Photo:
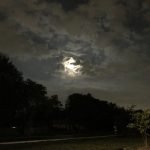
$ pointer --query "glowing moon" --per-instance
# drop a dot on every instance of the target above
(71, 67)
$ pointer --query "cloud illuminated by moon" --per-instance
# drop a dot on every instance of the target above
(71, 67)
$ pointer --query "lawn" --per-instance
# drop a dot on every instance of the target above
(111, 143)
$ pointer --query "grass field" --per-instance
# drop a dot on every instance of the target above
(111, 143)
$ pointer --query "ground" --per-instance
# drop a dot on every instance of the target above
(111, 143)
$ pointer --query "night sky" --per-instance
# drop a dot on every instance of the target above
(100, 47)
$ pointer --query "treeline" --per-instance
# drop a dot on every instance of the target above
(26, 108)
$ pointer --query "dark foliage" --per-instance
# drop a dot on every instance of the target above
(11, 91)
(86, 112)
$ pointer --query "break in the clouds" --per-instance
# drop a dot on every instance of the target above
(108, 39)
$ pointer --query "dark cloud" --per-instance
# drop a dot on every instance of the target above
(103, 23)
(68, 5)
(109, 39)
(3, 16)
(58, 41)
(35, 38)
(136, 12)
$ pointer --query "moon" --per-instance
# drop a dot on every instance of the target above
(71, 67)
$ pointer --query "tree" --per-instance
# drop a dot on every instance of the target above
(48, 112)
(92, 114)
(39, 110)
(141, 121)
(121, 117)
(11, 89)
(35, 96)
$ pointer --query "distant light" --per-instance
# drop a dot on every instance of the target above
(13, 127)
(71, 67)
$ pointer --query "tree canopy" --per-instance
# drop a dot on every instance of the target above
(93, 114)
(141, 122)
(11, 90)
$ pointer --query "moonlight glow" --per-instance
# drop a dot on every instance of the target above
(71, 67)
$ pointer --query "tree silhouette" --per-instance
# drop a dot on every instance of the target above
(85, 111)
(91, 114)
(48, 112)
(34, 95)
(39, 110)
(11, 91)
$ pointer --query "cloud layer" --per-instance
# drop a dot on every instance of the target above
(110, 39)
